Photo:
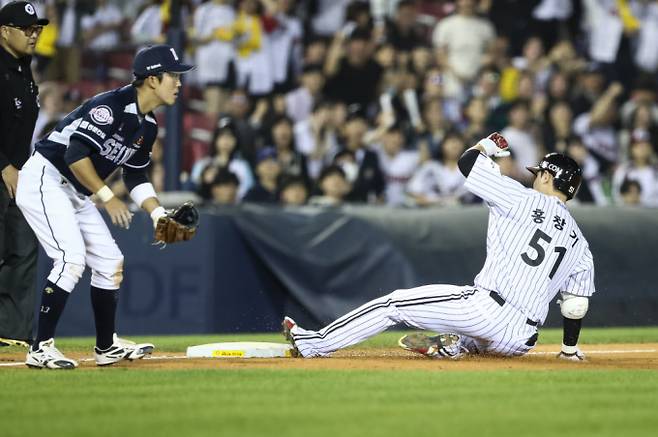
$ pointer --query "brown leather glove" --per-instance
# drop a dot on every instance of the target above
(177, 225)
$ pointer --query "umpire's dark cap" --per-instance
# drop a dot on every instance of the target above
(157, 59)
(20, 14)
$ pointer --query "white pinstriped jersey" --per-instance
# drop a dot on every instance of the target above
(534, 247)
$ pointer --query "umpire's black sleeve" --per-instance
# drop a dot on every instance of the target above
(134, 176)
(467, 161)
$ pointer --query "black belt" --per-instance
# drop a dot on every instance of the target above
(500, 301)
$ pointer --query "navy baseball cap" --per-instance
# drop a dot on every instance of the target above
(157, 59)
(265, 153)
(20, 14)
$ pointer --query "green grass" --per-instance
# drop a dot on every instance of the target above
(291, 403)
(387, 339)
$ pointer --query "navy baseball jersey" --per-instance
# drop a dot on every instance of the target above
(110, 124)
(534, 247)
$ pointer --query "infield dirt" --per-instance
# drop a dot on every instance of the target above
(603, 356)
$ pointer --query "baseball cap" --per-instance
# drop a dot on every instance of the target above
(156, 59)
(20, 14)
(265, 153)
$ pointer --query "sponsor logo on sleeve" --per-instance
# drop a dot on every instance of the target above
(102, 115)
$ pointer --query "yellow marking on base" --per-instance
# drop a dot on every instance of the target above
(221, 353)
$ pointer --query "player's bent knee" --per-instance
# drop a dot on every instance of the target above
(110, 275)
(574, 307)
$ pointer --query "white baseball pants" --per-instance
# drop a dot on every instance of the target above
(485, 325)
(68, 226)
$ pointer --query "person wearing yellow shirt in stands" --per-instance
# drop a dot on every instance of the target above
(249, 36)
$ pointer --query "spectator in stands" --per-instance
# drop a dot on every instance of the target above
(646, 52)
(630, 192)
(329, 16)
(397, 164)
(215, 54)
(100, 33)
(352, 75)
(334, 187)
(299, 102)
(224, 153)
(46, 47)
(369, 184)
(268, 170)
(434, 128)
(641, 168)
(642, 122)
(148, 28)
(591, 85)
(439, 182)
(404, 31)
(476, 122)
(285, 44)
(224, 188)
(66, 66)
(462, 40)
(250, 36)
(315, 51)
(291, 160)
(597, 127)
(558, 88)
(293, 191)
(317, 137)
(51, 99)
(521, 139)
(557, 129)
(237, 109)
(591, 188)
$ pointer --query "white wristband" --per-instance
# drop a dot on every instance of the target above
(489, 145)
(156, 214)
(142, 192)
(105, 194)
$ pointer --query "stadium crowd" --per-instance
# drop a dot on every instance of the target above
(330, 101)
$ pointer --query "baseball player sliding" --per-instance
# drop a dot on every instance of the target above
(535, 250)
(113, 129)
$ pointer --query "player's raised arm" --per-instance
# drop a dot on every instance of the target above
(483, 177)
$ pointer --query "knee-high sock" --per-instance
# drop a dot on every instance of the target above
(53, 301)
(104, 303)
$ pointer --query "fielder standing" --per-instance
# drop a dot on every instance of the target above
(535, 250)
(19, 106)
(113, 129)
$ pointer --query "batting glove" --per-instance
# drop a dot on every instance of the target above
(571, 353)
(495, 145)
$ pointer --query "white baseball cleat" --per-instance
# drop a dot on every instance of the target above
(288, 324)
(47, 356)
(122, 350)
(438, 346)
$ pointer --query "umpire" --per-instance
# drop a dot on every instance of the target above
(19, 106)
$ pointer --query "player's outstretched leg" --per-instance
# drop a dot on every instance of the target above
(122, 350)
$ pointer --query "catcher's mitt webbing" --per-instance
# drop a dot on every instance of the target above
(177, 225)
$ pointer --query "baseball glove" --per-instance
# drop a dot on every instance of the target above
(177, 225)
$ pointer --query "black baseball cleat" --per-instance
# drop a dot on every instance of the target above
(287, 326)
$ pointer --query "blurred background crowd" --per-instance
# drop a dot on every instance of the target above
(330, 101)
